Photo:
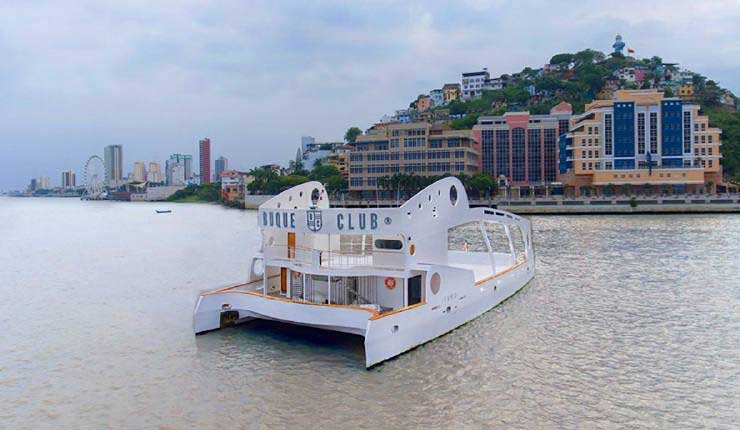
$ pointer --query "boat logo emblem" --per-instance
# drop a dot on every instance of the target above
(387, 220)
(313, 220)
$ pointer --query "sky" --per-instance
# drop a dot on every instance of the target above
(157, 76)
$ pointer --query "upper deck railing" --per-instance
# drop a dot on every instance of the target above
(324, 259)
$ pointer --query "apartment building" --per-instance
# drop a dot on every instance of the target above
(520, 147)
(640, 139)
(412, 148)
(472, 84)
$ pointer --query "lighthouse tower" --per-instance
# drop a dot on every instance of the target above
(618, 44)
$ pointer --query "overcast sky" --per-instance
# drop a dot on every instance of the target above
(157, 75)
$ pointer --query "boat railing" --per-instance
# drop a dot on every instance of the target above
(332, 259)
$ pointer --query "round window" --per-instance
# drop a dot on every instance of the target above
(315, 196)
(258, 267)
(453, 195)
(412, 249)
(435, 283)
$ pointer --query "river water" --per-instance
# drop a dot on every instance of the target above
(631, 322)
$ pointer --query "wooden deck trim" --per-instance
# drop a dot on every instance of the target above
(399, 310)
(491, 277)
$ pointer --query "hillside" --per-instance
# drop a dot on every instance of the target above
(587, 75)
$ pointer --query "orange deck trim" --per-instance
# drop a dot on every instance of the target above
(490, 277)
(399, 310)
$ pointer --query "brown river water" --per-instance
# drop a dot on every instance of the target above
(630, 322)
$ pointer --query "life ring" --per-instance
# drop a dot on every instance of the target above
(390, 283)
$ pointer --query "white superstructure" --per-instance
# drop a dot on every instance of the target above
(399, 277)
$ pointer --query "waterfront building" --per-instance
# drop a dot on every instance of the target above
(69, 179)
(179, 169)
(155, 173)
(520, 148)
(451, 92)
(139, 174)
(437, 97)
(220, 165)
(234, 185)
(40, 183)
(412, 148)
(640, 140)
(472, 84)
(204, 153)
(113, 156)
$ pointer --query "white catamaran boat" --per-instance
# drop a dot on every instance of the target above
(399, 277)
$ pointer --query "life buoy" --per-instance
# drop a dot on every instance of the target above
(390, 283)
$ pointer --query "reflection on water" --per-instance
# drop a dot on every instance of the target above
(631, 321)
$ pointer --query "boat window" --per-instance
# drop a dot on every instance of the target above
(435, 283)
(453, 195)
(356, 243)
(388, 244)
(518, 238)
(497, 237)
(466, 237)
(315, 196)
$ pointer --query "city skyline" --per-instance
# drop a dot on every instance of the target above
(122, 80)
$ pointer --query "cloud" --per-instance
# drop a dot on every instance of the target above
(255, 76)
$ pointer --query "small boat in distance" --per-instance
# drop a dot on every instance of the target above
(163, 211)
(399, 277)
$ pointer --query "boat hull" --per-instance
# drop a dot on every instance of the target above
(386, 335)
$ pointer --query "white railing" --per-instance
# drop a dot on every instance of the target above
(317, 258)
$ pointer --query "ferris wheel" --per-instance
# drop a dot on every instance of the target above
(94, 178)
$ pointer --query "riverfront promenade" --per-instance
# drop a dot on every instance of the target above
(555, 205)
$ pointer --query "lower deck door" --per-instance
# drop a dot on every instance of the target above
(414, 290)
(283, 280)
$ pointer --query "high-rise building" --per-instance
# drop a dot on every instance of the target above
(178, 169)
(640, 139)
(412, 148)
(307, 142)
(139, 172)
(44, 183)
(68, 179)
(521, 147)
(221, 165)
(155, 173)
(205, 160)
(113, 156)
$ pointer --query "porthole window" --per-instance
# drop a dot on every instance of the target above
(315, 195)
(419, 205)
(435, 283)
(453, 195)
(278, 205)
(408, 214)
(412, 249)
(388, 244)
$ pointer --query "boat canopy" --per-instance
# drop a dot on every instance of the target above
(435, 209)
